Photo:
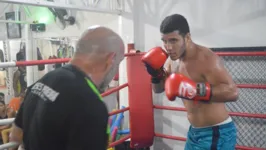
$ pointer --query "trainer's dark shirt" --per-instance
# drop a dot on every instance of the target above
(62, 111)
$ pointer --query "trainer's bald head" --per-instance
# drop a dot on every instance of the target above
(98, 40)
(99, 52)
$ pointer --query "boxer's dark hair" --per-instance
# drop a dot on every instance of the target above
(175, 22)
(2, 94)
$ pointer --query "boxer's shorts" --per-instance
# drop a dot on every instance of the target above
(222, 137)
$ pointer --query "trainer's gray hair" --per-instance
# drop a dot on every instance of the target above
(96, 43)
(97, 40)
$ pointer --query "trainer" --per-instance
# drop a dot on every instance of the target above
(64, 110)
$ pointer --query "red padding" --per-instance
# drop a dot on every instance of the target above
(140, 103)
(114, 133)
(116, 78)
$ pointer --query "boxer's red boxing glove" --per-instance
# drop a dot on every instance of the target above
(155, 57)
(178, 85)
(154, 60)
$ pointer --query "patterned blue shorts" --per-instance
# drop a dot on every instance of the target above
(222, 137)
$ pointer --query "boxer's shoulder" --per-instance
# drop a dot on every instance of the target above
(206, 57)
(172, 66)
(167, 65)
(206, 53)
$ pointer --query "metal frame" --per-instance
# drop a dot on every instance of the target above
(6, 121)
(13, 21)
(62, 5)
(9, 145)
(9, 71)
(29, 51)
(11, 27)
(28, 36)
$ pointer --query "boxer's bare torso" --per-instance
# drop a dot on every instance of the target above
(200, 114)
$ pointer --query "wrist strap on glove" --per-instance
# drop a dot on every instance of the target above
(201, 89)
(204, 92)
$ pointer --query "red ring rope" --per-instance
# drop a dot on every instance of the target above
(118, 111)
(64, 60)
(137, 124)
(262, 116)
(114, 90)
(251, 86)
(119, 141)
(241, 53)
(40, 62)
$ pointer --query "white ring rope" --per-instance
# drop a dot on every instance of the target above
(7, 64)
(9, 145)
(6, 121)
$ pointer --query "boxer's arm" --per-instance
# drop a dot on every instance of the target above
(159, 88)
(223, 87)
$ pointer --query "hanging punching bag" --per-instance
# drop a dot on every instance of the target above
(21, 56)
(39, 57)
(1, 55)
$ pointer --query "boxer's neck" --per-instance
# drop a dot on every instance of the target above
(190, 52)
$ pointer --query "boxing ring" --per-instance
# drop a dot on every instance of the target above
(141, 108)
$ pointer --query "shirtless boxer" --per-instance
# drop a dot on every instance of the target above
(200, 80)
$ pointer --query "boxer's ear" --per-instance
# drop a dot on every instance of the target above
(188, 37)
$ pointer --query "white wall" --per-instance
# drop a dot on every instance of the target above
(83, 21)
(213, 23)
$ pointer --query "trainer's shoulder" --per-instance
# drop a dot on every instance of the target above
(60, 72)
(61, 77)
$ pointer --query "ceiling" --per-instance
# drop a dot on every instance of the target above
(50, 15)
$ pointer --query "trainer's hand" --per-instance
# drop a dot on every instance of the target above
(154, 60)
(178, 85)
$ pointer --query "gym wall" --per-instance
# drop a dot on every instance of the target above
(213, 23)
(53, 30)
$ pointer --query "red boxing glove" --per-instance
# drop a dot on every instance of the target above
(155, 58)
(178, 85)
